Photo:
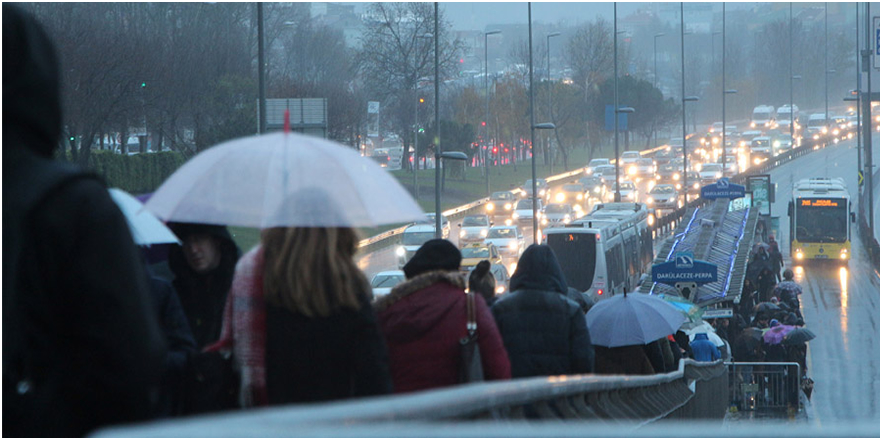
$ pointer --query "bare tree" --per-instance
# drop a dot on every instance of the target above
(397, 54)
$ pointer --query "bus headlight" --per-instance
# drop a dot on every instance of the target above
(798, 254)
(401, 251)
(676, 176)
(752, 125)
(560, 197)
(490, 206)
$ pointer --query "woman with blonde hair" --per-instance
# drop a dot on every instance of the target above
(300, 323)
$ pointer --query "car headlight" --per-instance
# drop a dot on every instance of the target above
(544, 221)
(500, 290)
(676, 176)
(560, 197)
(462, 233)
(401, 251)
(566, 219)
(507, 206)
(815, 137)
(580, 196)
(631, 170)
(757, 161)
(752, 125)
(490, 206)
(484, 233)
(542, 192)
(596, 190)
(513, 246)
(824, 130)
(696, 186)
(515, 215)
(718, 174)
(650, 200)
(508, 222)
(677, 186)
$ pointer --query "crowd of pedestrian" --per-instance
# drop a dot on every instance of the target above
(93, 337)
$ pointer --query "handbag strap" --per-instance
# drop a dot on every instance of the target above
(471, 315)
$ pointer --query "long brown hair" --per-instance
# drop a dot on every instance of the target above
(312, 270)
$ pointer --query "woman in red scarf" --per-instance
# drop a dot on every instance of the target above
(300, 323)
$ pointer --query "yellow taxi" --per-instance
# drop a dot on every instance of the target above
(473, 253)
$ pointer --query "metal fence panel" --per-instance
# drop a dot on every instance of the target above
(764, 386)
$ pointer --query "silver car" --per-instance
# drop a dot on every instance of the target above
(508, 240)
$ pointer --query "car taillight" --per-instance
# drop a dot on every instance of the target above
(601, 292)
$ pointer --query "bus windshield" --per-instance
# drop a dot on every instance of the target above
(577, 258)
(821, 220)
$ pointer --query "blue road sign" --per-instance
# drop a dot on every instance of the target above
(683, 268)
(723, 189)
(609, 119)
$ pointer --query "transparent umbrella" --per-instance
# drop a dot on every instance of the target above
(283, 179)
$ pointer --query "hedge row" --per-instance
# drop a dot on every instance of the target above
(137, 174)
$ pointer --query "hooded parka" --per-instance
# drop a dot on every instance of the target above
(545, 333)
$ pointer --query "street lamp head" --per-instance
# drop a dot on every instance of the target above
(691, 98)
(730, 91)
(626, 110)
(553, 34)
(795, 77)
(850, 98)
(545, 126)
(426, 35)
(492, 32)
(661, 34)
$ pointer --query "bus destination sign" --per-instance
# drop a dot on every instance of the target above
(819, 202)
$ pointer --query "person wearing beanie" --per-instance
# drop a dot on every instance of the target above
(482, 282)
(545, 333)
(424, 318)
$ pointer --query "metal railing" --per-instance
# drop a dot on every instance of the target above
(693, 391)
(764, 386)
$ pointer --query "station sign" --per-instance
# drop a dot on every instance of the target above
(722, 189)
(684, 269)
(717, 313)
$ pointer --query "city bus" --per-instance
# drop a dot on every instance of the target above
(606, 251)
(820, 220)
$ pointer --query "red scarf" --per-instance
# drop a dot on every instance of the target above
(244, 328)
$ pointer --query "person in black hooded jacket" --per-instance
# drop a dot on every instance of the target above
(544, 332)
(203, 266)
(81, 343)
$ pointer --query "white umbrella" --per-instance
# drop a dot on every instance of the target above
(283, 179)
(706, 328)
(145, 228)
(632, 319)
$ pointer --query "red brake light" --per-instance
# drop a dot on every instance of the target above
(598, 237)
(601, 291)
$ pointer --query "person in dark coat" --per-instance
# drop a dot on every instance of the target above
(180, 342)
(704, 349)
(424, 318)
(681, 338)
(81, 345)
(655, 356)
(578, 297)
(545, 333)
(627, 360)
(482, 282)
(203, 267)
(776, 262)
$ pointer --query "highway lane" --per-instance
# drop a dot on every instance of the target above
(842, 306)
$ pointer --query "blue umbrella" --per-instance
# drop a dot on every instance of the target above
(632, 319)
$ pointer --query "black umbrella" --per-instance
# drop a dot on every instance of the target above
(798, 336)
(765, 307)
(753, 333)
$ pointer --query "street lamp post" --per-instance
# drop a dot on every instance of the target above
(550, 95)
(825, 13)
(616, 106)
(791, 106)
(790, 73)
(655, 56)
(486, 122)
(532, 128)
(438, 231)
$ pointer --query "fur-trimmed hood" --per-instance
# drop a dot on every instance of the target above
(418, 283)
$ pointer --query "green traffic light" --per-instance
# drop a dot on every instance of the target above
(72, 138)
(421, 130)
(143, 84)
